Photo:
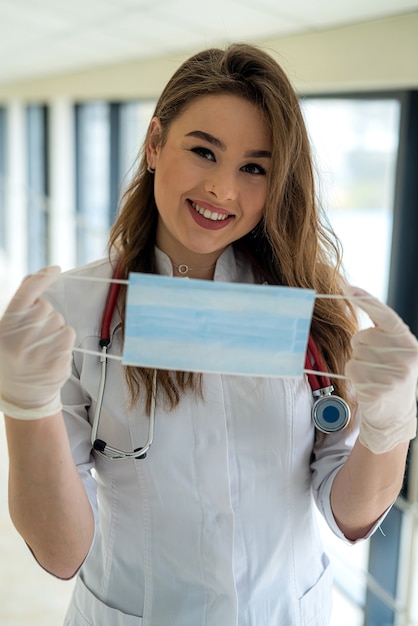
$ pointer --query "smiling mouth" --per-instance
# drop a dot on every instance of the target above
(210, 215)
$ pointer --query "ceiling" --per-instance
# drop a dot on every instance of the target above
(45, 37)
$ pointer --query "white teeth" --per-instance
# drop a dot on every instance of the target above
(215, 217)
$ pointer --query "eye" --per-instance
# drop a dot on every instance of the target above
(253, 168)
(205, 153)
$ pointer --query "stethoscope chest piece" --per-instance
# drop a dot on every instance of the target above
(330, 413)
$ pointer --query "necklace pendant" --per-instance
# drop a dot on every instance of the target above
(183, 268)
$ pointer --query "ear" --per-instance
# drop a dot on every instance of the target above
(153, 141)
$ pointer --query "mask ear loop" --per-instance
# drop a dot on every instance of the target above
(330, 413)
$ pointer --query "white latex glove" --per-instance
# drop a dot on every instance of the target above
(35, 351)
(384, 372)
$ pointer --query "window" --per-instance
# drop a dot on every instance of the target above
(2, 177)
(109, 136)
(37, 186)
(134, 120)
(355, 148)
(355, 145)
(92, 180)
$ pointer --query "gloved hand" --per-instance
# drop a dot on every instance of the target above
(35, 351)
(384, 372)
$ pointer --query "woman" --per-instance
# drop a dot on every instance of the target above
(218, 524)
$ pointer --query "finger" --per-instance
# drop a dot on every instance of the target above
(381, 315)
(378, 339)
(32, 287)
(62, 338)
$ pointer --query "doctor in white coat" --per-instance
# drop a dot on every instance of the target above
(217, 525)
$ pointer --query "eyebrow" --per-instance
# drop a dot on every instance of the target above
(200, 134)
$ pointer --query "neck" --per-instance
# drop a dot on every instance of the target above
(192, 263)
(196, 271)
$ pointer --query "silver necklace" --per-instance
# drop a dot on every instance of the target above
(184, 269)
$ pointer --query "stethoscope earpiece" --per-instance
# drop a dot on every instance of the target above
(330, 413)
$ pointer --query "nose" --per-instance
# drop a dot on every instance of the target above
(223, 185)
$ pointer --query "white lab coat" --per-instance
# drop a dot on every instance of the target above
(217, 526)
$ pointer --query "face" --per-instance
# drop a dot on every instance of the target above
(210, 176)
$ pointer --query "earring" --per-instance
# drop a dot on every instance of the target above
(150, 169)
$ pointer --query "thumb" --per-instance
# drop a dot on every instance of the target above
(382, 316)
(32, 288)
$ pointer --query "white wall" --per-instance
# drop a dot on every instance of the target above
(379, 54)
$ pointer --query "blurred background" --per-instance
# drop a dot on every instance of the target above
(78, 83)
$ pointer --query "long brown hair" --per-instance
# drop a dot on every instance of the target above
(292, 245)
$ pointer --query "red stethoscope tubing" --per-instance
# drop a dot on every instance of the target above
(313, 361)
(110, 305)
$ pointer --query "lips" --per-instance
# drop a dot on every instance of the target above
(215, 216)
(209, 217)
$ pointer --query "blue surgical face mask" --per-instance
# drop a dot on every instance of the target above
(205, 326)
